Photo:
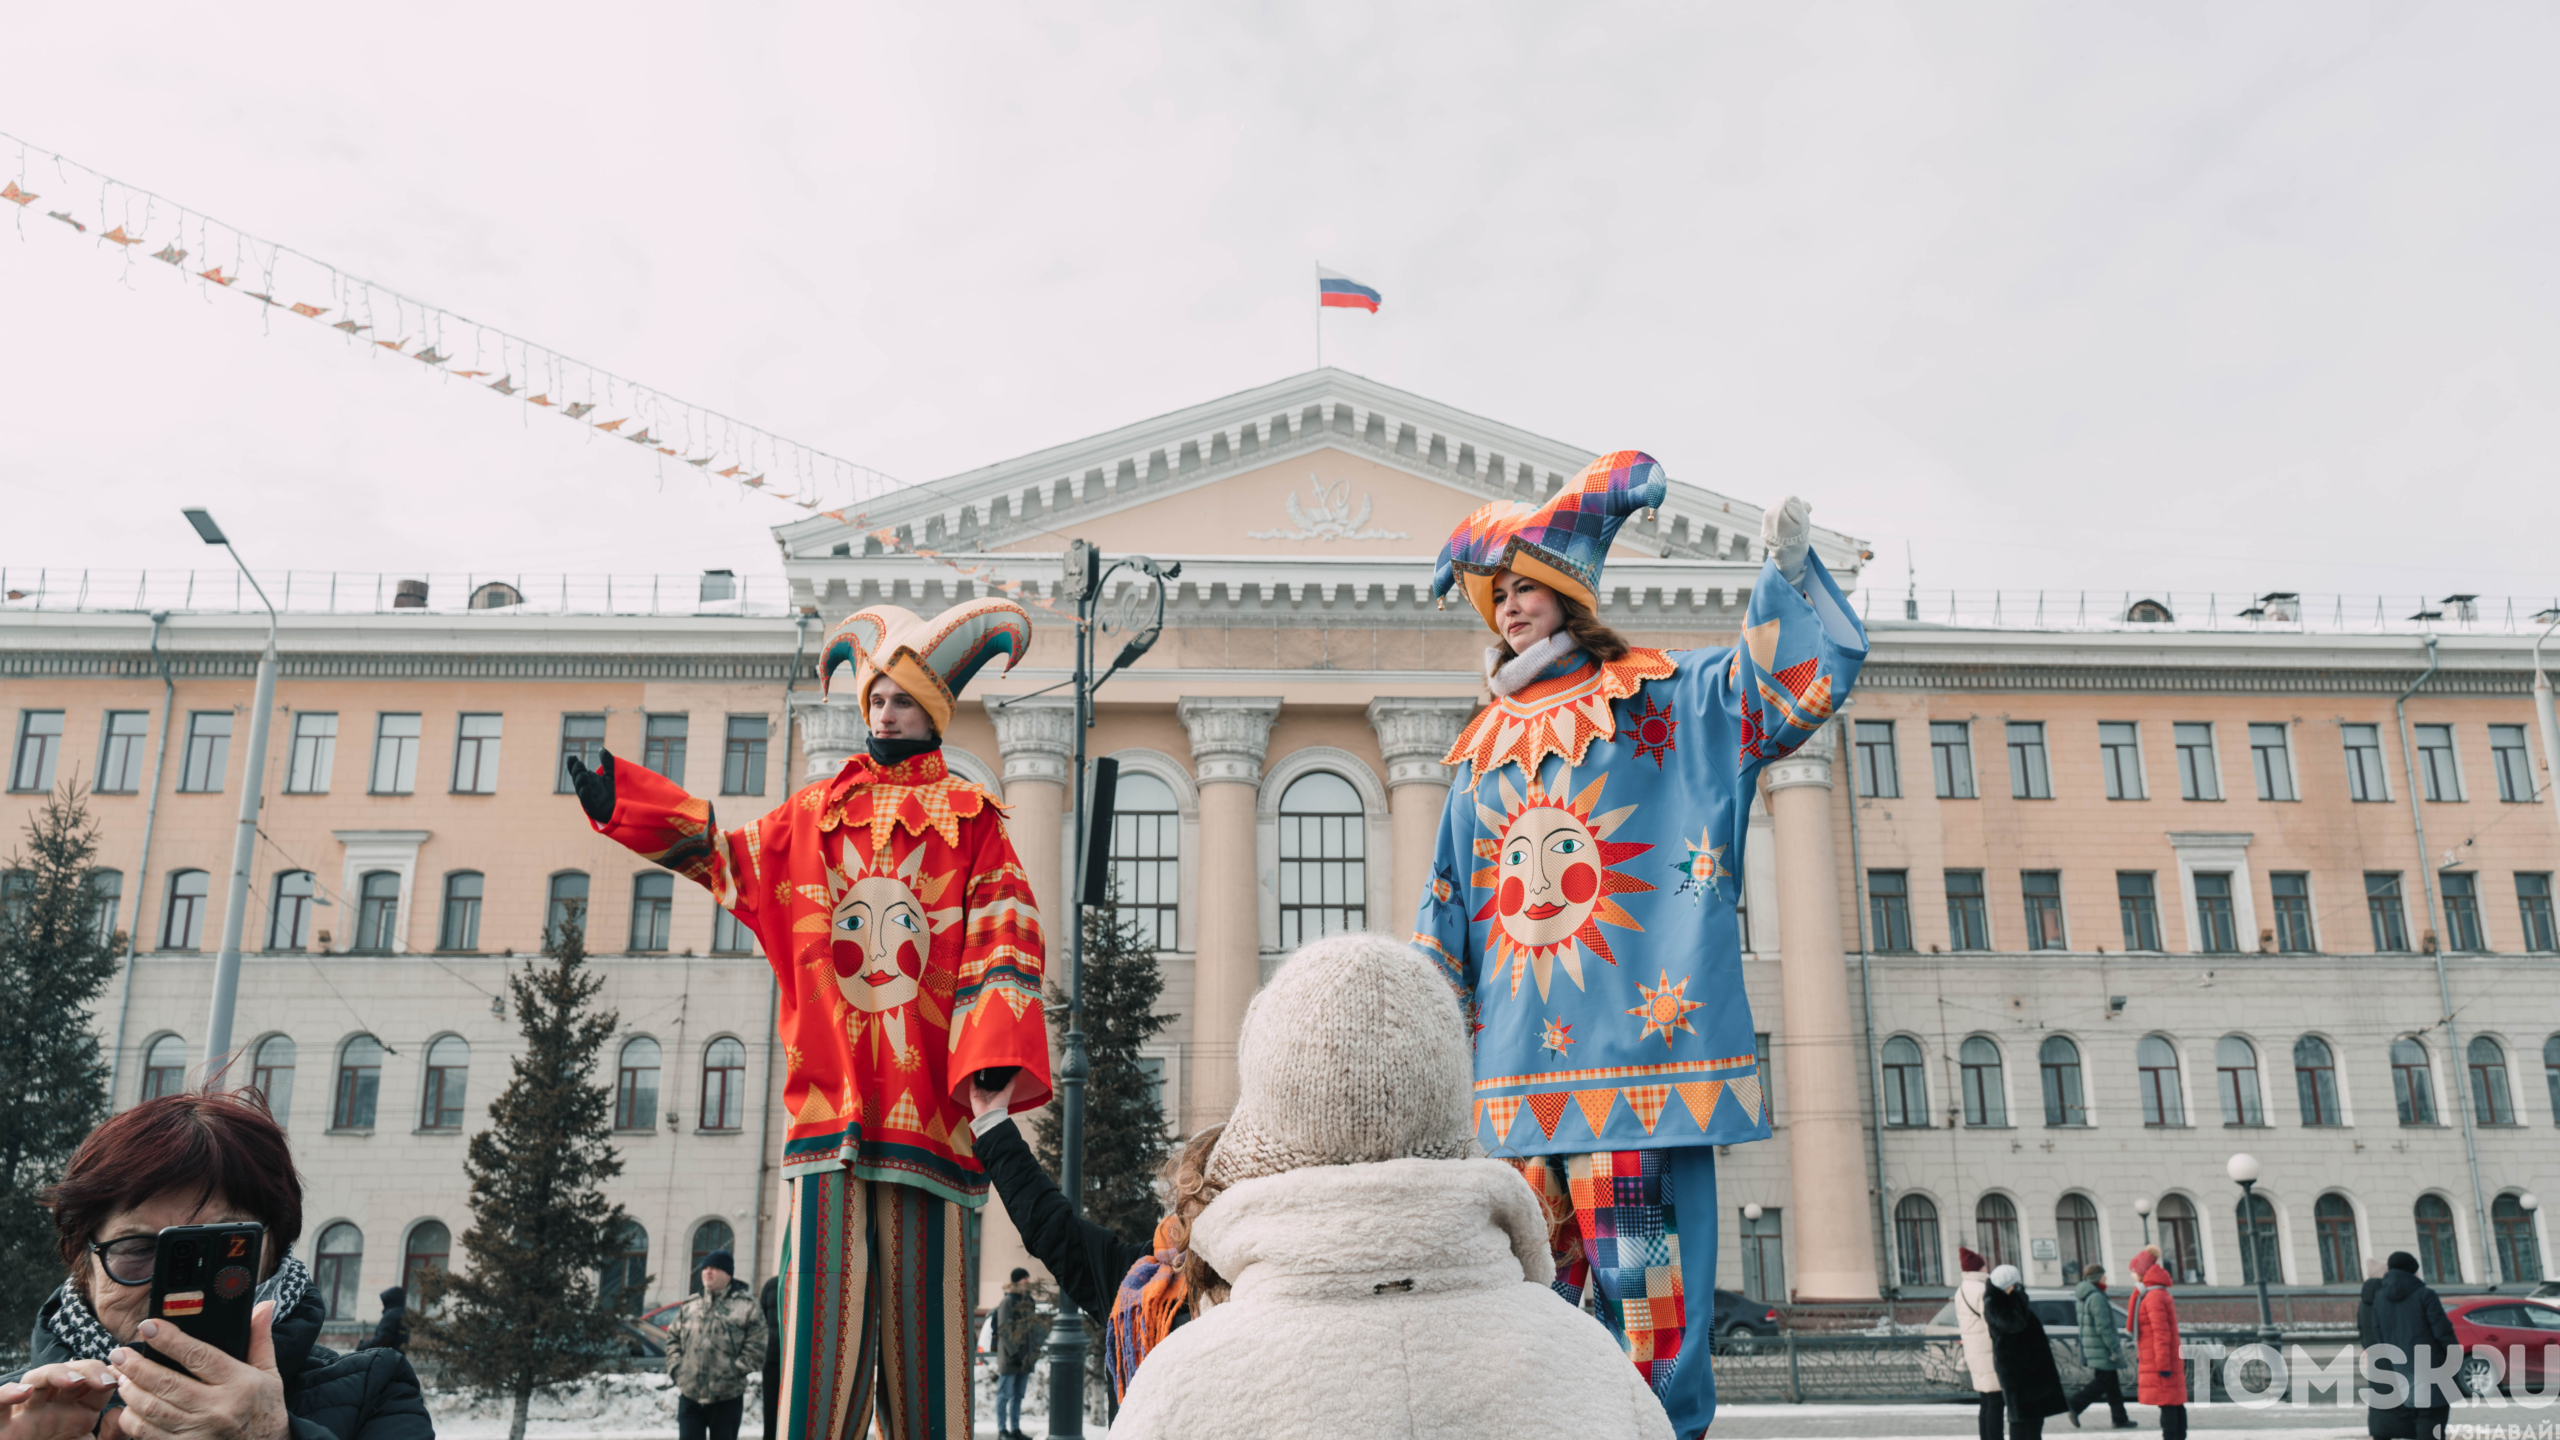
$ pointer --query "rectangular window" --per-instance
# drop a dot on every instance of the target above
(2364, 763)
(2199, 778)
(2044, 908)
(742, 762)
(39, 747)
(395, 753)
(2214, 924)
(475, 755)
(2139, 905)
(315, 753)
(2435, 763)
(662, 745)
(1968, 924)
(2120, 759)
(1951, 757)
(120, 752)
(2029, 778)
(208, 756)
(1768, 1077)
(2514, 763)
(729, 936)
(2293, 913)
(2271, 757)
(1878, 776)
(2533, 907)
(1889, 908)
(582, 739)
(2382, 906)
(2461, 911)
(461, 928)
(653, 898)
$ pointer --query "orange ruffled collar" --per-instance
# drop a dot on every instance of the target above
(1561, 715)
(916, 795)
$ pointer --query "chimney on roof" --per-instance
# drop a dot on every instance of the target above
(409, 595)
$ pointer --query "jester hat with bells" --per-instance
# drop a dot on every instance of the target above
(1561, 544)
(932, 660)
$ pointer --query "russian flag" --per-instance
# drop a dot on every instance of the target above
(1342, 291)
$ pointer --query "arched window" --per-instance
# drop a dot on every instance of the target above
(359, 1084)
(2315, 1081)
(1915, 1235)
(1986, 1100)
(2519, 1253)
(106, 901)
(708, 1236)
(653, 905)
(2259, 1253)
(724, 1085)
(461, 927)
(1906, 1084)
(271, 1074)
(1995, 1221)
(635, 1086)
(164, 1067)
(182, 926)
(2181, 1239)
(2439, 1257)
(448, 1076)
(2164, 1101)
(2060, 1061)
(2341, 1261)
(2235, 1065)
(2489, 1098)
(2413, 1085)
(337, 1267)
(378, 912)
(1146, 858)
(623, 1288)
(1324, 875)
(568, 907)
(2075, 1224)
(430, 1248)
(289, 915)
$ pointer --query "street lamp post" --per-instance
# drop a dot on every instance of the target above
(2243, 1168)
(244, 845)
(2142, 1207)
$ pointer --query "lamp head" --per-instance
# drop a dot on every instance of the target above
(2243, 1168)
(202, 519)
(2530, 1201)
(2142, 1205)
(1751, 1212)
(2548, 616)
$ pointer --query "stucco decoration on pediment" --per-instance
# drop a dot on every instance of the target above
(1329, 514)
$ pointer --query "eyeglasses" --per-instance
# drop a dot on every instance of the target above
(129, 1261)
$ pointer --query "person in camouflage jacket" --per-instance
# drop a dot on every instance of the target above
(713, 1344)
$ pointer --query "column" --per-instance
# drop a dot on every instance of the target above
(1414, 731)
(1228, 737)
(1829, 1197)
(831, 731)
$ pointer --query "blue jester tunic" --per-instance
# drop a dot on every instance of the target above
(1583, 888)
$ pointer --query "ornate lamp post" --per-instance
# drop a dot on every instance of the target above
(2243, 1168)
(2142, 1207)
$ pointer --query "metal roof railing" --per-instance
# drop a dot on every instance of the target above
(352, 592)
(2185, 612)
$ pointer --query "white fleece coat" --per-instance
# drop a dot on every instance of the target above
(1406, 1298)
(1975, 1331)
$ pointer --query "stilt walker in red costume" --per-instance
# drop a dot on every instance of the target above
(904, 935)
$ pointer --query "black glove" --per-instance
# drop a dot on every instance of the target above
(595, 787)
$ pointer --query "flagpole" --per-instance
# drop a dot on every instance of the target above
(1319, 316)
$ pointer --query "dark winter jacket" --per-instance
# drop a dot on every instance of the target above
(2022, 1354)
(1020, 1330)
(2364, 1313)
(369, 1395)
(2410, 1327)
(769, 1300)
(1088, 1261)
(391, 1332)
(2101, 1345)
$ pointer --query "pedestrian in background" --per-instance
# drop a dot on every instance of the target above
(1020, 1331)
(1975, 1334)
(2021, 1354)
(2161, 1368)
(714, 1343)
(2413, 1340)
(2101, 1348)
(769, 1300)
(391, 1332)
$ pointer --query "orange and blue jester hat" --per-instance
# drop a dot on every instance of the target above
(1561, 544)
(932, 660)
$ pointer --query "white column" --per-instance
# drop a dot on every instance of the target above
(1414, 731)
(831, 732)
(1229, 735)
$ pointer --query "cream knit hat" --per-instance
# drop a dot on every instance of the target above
(1356, 1051)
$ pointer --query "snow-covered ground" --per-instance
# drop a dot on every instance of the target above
(643, 1407)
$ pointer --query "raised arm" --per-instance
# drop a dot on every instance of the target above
(1801, 644)
(652, 816)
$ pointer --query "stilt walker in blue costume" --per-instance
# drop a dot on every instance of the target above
(1583, 891)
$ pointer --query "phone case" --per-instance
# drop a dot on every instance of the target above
(205, 1281)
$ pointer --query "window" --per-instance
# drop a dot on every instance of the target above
(1968, 924)
(1986, 1101)
(1764, 1258)
(17, 891)
(1951, 757)
(568, 906)
(2341, 1261)
(359, 1084)
(2120, 759)
(337, 1266)
(271, 1074)
(2199, 778)
(708, 1236)
(183, 927)
(724, 1085)
(1915, 1238)
(2443, 781)
(106, 902)
(635, 1086)
(2293, 912)
(1906, 1085)
(2364, 763)
(2181, 1239)
(1878, 776)
(2271, 757)
(653, 903)
(39, 747)
(1768, 1076)
(2461, 910)
(1995, 1223)
(2164, 1102)
(1146, 863)
(395, 753)
(1324, 885)
(2513, 762)
(448, 1076)
(730, 935)
(2259, 1252)
(2489, 1098)
(2315, 1081)
(315, 752)
(2519, 1254)
(2382, 907)
(2029, 778)
(378, 912)
(2139, 909)
(2235, 1064)
(2439, 1257)
(742, 762)
(2044, 908)
(120, 752)
(581, 738)
(461, 927)
(662, 745)
(2214, 924)
(1889, 908)
(623, 1287)
(430, 1249)
(2551, 1074)
(2059, 1059)
(164, 1067)
(2075, 1224)
(475, 755)
(2413, 1086)
(208, 753)
(289, 913)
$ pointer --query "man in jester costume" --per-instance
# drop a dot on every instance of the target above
(902, 930)
(1584, 885)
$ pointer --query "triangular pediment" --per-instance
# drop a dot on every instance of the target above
(1325, 502)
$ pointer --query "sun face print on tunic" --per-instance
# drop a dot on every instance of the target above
(1554, 870)
(879, 931)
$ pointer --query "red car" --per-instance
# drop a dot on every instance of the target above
(2504, 1325)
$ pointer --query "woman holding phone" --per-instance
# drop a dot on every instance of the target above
(115, 1198)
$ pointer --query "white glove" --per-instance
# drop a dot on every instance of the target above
(1786, 533)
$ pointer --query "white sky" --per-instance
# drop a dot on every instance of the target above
(2142, 295)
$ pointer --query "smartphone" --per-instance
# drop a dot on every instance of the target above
(204, 1280)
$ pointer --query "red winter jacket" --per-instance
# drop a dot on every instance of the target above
(2163, 1373)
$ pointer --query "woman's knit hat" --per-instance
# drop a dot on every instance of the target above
(1355, 1052)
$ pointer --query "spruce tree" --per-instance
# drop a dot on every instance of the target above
(1125, 1137)
(529, 1310)
(54, 962)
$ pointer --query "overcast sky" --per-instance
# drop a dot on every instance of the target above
(2141, 295)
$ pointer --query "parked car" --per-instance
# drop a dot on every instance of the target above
(2506, 1325)
(649, 1332)
(1741, 1324)
(2547, 1290)
(2058, 1309)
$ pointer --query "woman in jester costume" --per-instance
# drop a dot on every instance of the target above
(902, 930)
(1583, 889)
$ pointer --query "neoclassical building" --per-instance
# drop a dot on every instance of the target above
(2076, 899)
